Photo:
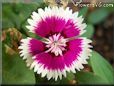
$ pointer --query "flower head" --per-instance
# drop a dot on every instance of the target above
(61, 49)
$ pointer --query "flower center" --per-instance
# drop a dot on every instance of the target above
(56, 44)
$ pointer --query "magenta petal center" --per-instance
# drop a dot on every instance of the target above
(55, 25)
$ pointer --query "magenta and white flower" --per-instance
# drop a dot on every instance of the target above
(61, 48)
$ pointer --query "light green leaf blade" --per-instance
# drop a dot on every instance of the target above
(102, 68)
(88, 78)
(14, 70)
(89, 31)
(83, 11)
(98, 15)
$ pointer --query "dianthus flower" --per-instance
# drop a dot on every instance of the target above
(61, 49)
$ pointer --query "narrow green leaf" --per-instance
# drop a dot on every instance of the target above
(102, 68)
(89, 31)
(14, 70)
(97, 16)
(83, 11)
(88, 78)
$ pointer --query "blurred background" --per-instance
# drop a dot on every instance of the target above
(100, 21)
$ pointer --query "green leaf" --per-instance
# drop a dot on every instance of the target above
(97, 16)
(88, 78)
(8, 16)
(111, 8)
(102, 68)
(89, 31)
(83, 11)
(23, 11)
(14, 70)
(15, 14)
(6, 23)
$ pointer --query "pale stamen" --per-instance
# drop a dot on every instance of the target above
(56, 44)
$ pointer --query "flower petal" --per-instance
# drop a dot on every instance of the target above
(53, 67)
(78, 21)
(82, 47)
(36, 46)
(54, 20)
(30, 47)
(49, 61)
(24, 51)
(50, 25)
(24, 48)
(70, 29)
